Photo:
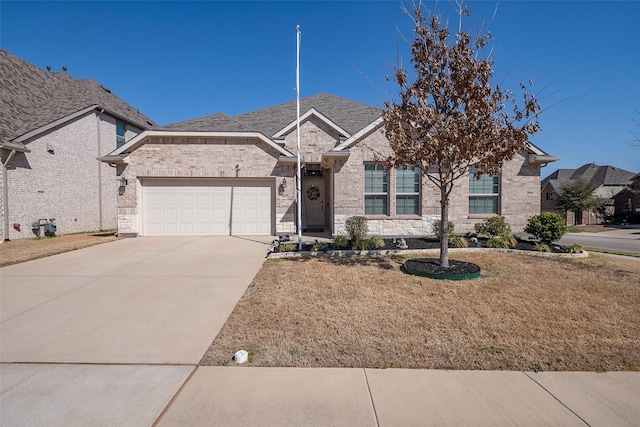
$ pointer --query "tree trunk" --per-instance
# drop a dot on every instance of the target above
(444, 224)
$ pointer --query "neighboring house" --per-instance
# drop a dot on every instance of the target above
(222, 175)
(52, 129)
(607, 181)
(627, 201)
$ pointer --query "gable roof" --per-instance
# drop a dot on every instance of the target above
(351, 116)
(595, 175)
(33, 99)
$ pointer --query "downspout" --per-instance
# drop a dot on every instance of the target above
(5, 194)
(99, 169)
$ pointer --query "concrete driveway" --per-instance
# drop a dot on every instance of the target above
(76, 327)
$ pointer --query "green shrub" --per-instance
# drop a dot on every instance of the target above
(458, 242)
(575, 248)
(376, 242)
(542, 247)
(494, 226)
(287, 247)
(453, 240)
(340, 242)
(357, 228)
(317, 246)
(361, 245)
(437, 229)
(502, 242)
(546, 227)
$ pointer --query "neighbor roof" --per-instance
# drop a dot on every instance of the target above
(33, 98)
(350, 115)
(595, 175)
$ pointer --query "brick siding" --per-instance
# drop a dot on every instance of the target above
(60, 178)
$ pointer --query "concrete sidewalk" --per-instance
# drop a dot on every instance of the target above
(112, 335)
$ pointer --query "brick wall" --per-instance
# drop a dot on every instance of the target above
(519, 198)
(60, 178)
(177, 157)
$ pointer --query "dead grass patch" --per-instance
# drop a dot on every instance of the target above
(17, 251)
(577, 314)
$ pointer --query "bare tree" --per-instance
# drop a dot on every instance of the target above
(635, 140)
(450, 116)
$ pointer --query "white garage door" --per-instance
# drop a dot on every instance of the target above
(206, 207)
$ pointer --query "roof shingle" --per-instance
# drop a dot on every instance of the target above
(350, 115)
(32, 98)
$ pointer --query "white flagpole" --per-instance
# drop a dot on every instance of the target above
(298, 179)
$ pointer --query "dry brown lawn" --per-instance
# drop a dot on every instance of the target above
(17, 251)
(523, 313)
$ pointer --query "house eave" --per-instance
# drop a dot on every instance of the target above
(360, 134)
(139, 139)
(53, 124)
(14, 146)
(336, 155)
(542, 159)
(311, 112)
(113, 160)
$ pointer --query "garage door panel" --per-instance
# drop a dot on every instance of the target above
(207, 207)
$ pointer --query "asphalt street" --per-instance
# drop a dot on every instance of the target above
(625, 240)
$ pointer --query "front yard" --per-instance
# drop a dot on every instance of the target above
(523, 313)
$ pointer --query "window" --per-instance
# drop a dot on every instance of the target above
(375, 189)
(549, 196)
(407, 191)
(483, 193)
(119, 134)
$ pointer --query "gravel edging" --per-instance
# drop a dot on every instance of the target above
(383, 252)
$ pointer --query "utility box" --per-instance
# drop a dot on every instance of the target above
(49, 226)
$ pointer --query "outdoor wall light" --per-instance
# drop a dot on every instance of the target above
(284, 182)
(123, 182)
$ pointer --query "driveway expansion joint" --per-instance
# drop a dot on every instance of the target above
(557, 399)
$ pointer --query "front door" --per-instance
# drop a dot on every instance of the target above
(313, 196)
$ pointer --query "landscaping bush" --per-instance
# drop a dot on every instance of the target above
(361, 245)
(494, 226)
(458, 242)
(376, 242)
(357, 228)
(437, 229)
(502, 242)
(499, 232)
(546, 227)
(453, 240)
(542, 247)
(575, 248)
(340, 242)
(287, 247)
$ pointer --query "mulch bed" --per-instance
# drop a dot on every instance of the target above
(432, 243)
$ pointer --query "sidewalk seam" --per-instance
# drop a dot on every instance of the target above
(557, 400)
(174, 397)
(373, 405)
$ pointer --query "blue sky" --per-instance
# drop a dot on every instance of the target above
(180, 60)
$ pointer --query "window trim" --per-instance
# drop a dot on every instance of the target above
(416, 172)
(497, 194)
(376, 194)
(121, 139)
